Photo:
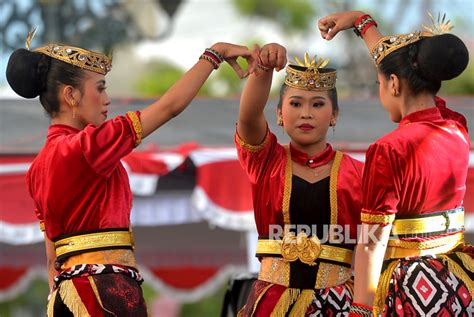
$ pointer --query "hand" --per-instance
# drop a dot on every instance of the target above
(330, 25)
(231, 52)
(271, 55)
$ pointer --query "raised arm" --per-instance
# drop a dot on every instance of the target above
(332, 24)
(251, 125)
(180, 95)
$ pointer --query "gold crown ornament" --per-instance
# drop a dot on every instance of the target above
(310, 74)
(82, 58)
(390, 43)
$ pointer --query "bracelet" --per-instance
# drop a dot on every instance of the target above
(215, 53)
(211, 60)
(362, 24)
(263, 67)
(360, 310)
(212, 56)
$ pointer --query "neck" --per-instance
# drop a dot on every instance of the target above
(67, 119)
(311, 149)
(416, 103)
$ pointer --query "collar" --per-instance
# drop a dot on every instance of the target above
(320, 159)
(58, 129)
(429, 114)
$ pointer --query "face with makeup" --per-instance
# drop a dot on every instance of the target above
(91, 100)
(307, 115)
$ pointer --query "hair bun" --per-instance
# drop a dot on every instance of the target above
(22, 73)
(442, 57)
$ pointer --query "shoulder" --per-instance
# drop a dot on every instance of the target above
(349, 163)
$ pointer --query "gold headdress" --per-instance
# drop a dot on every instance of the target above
(388, 44)
(310, 75)
(85, 59)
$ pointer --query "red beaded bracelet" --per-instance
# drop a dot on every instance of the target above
(362, 24)
(212, 56)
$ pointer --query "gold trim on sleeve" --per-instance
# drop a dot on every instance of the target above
(137, 127)
(377, 219)
(252, 148)
(287, 187)
(333, 186)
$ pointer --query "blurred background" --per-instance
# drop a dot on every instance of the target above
(192, 211)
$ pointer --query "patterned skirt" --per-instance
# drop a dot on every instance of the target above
(428, 286)
(110, 291)
(267, 299)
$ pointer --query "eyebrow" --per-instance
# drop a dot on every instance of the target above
(101, 81)
(315, 97)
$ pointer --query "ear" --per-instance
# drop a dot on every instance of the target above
(279, 112)
(70, 95)
(395, 83)
(334, 116)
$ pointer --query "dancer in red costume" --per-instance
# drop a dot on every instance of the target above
(414, 178)
(304, 183)
(78, 184)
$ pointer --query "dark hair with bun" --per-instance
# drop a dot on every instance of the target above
(424, 64)
(31, 74)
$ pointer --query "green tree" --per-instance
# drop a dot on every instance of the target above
(292, 15)
(159, 77)
(462, 85)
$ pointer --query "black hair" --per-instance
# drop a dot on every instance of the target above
(424, 64)
(331, 92)
(31, 74)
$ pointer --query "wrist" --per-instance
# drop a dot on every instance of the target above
(218, 47)
(362, 24)
(212, 56)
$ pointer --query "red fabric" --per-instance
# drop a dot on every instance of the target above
(224, 181)
(10, 276)
(419, 168)
(302, 158)
(269, 300)
(15, 200)
(266, 171)
(77, 180)
(87, 295)
(185, 277)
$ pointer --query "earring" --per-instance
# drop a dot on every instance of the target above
(73, 106)
(334, 131)
(395, 93)
(280, 121)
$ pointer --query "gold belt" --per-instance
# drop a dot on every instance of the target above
(439, 222)
(277, 271)
(401, 248)
(88, 242)
(304, 248)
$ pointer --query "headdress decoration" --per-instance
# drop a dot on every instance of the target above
(388, 44)
(310, 74)
(82, 58)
